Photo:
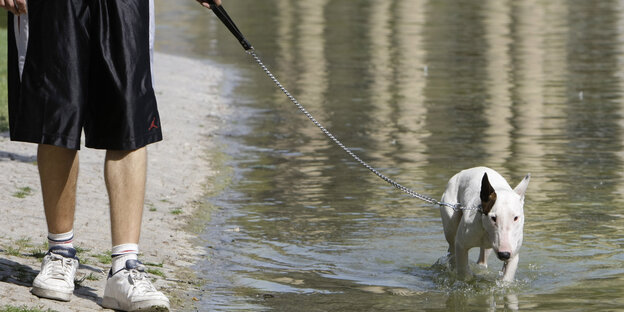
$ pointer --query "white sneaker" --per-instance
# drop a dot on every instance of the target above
(56, 278)
(129, 289)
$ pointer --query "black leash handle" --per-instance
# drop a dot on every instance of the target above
(220, 12)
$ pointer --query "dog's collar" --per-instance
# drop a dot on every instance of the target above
(460, 207)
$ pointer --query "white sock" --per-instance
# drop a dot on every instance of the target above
(63, 239)
(121, 254)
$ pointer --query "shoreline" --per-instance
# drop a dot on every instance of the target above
(192, 111)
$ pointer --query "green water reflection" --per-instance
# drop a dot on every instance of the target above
(420, 89)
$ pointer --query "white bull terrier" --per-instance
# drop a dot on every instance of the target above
(497, 224)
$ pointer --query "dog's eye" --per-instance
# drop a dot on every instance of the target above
(516, 218)
(493, 218)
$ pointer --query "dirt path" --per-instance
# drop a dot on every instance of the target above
(190, 106)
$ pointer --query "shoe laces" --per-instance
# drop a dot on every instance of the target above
(141, 281)
(60, 267)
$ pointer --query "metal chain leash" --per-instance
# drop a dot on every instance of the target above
(346, 149)
(220, 12)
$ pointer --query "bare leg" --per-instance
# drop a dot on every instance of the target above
(58, 171)
(125, 173)
(128, 288)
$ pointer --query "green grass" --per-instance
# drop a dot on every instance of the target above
(17, 247)
(151, 207)
(23, 192)
(11, 251)
(104, 258)
(159, 265)
(92, 277)
(9, 308)
(152, 269)
(81, 251)
(156, 272)
(23, 242)
(38, 253)
(176, 211)
(4, 110)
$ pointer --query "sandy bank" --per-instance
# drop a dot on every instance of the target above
(190, 107)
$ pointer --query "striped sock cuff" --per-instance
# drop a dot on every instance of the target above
(125, 249)
(62, 239)
(121, 254)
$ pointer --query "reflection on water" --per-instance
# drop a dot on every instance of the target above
(420, 89)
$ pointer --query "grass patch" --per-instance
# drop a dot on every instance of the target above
(158, 265)
(92, 277)
(38, 253)
(23, 242)
(17, 246)
(11, 251)
(104, 258)
(22, 192)
(24, 248)
(24, 308)
(89, 277)
(176, 211)
(81, 251)
(156, 272)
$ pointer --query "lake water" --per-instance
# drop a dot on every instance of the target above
(420, 90)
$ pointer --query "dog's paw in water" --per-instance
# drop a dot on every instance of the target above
(442, 262)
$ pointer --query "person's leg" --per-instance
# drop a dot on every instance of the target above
(58, 171)
(123, 119)
(46, 103)
(125, 173)
(128, 288)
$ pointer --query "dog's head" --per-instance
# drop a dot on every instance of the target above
(503, 217)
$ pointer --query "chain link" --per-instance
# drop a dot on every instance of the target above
(346, 149)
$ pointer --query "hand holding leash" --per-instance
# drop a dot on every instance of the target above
(219, 11)
(207, 4)
(18, 7)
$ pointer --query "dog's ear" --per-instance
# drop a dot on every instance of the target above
(488, 195)
(522, 186)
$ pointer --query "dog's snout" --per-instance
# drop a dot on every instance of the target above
(503, 255)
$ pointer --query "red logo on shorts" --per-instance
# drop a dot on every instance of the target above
(153, 125)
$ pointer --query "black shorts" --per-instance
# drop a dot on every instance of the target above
(83, 64)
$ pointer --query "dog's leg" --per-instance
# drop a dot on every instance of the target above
(511, 302)
(450, 230)
(484, 253)
(509, 269)
(450, 222)
(463, 269)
